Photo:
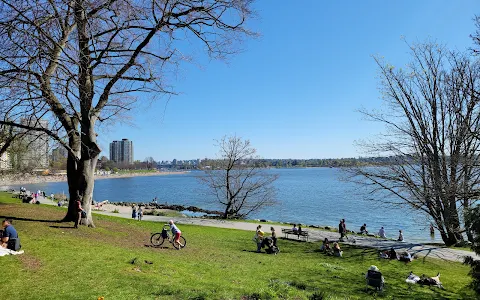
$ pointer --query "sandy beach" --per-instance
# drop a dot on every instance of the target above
(15, 179)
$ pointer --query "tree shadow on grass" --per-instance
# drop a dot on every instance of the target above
(62, 227)
(157, 247)
(29, 219)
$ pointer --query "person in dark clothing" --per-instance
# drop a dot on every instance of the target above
(344, 228)
(10, 238)
(392, 254)
(274, 236)
(340, 229)
(363, 229)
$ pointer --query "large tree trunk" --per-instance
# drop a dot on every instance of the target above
(81, 173)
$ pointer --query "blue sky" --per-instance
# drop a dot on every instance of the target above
(295, 91)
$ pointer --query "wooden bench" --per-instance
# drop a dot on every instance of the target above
(303, 234)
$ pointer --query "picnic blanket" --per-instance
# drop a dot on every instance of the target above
(5, 251)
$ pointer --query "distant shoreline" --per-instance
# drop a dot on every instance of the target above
(19, 179)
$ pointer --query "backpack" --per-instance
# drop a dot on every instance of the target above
(164, 233)
(14, 244)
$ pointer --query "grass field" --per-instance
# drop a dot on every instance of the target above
(110, 261)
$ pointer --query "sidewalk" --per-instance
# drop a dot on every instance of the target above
(315, 235)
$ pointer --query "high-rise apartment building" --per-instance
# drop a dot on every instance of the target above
(4, 160)
(122, 151)
(59, 153)
(36, 145)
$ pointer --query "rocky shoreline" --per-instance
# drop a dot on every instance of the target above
(175, 207)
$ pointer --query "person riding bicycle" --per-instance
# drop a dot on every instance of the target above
(175, 232)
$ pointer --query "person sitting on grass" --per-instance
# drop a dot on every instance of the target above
(381, 233)
(400, 236)
(325, 246)
(10, 238)
(385, 254)
(363, 229)
(176, 233)
(336, 250)
(392, 254)
(405, 257)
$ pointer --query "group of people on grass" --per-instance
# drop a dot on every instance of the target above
(342, 229)
(405, 256)
(261, 240)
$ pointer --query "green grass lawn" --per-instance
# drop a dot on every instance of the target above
(63, 263)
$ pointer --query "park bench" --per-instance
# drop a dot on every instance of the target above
(302, 234)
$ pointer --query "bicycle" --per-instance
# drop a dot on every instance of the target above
(158, 238)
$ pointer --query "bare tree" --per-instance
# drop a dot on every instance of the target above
(431, 118)
(79, 63)
(238, 183)
(149, 162)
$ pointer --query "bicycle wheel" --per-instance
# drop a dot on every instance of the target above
(182, 241)
(156, 239)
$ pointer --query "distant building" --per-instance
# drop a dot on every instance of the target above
(4, 160)
(122, 151)
(36, 143)
(59, 153)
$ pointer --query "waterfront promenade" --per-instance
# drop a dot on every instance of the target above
(315, 235)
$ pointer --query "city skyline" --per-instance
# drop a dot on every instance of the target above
(295, 91)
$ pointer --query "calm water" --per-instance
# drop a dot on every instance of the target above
(309, 196)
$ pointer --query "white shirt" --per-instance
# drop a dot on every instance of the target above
(381, 233)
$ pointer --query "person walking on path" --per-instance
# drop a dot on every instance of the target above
(134, 211)
(79, 208)
(140, 213)
(344, 228)
(340, 229)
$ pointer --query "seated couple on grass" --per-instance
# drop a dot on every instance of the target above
(335, 251)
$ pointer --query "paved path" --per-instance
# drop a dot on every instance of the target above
(315, 235)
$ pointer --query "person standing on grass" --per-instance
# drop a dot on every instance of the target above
(259, 238)
(140, 213)
(274, 236)
(78, 219)
(176, 233)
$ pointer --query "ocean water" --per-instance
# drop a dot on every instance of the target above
(314, 196)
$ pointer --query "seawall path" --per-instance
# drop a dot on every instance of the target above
(315, 235)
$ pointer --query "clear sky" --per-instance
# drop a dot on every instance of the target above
(295, 91)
